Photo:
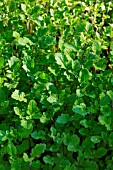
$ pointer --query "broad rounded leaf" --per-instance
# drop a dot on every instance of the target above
(96, 47)
(48, 160)
(63, 119)
(74, 143)
(81, 109)
(84, 75)
(100, 152)
(38, 150)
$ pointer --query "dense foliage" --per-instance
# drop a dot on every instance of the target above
(56, 85)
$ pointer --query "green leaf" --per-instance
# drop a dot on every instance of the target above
(53, 132)
(76, 66)
(100, 152)
(28, 41)
(25, 132)
(36, 164)
(11, 148)
(96, 47)
(38, 150)
(52, 99)
(106, 110)
(48, 160)
(90, 165)
(104, 99)
(87, 143)
(63, 119)
(27, 124)
(88, 154)
(26, 158)
(24, 41)
(95, 139)
(21, 41)
(32, 107)
(16, 35)
(69, 47)
(2, 135)
(89, 27)
(74, 143)
(49, 40)
(84, 75)
(1, 62)
(43, 76)
(83, 131)
(52, 70)
(19, 96)
(80, 92)
(80, 109)
(84, 123)
(66, 138)
(38, 135)
(64, 162)
(18, 112)
(110, 94)
(23, 7)
(12, 61)
(105, 121)
(59, 59)
(51, 88)
(54, 148)
(80, 27)
(43, 119)
(23, 147)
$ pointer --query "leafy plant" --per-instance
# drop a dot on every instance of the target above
(56, 78)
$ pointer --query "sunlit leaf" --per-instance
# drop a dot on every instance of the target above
(20, 96)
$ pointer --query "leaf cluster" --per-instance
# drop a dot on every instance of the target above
(56, 81)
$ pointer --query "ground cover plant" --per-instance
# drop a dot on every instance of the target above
(56, 85)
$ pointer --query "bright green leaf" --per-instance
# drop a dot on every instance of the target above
(27, 124)
(11, 148)
(95, 139)
(26, 158)
(32, 107)
(16, 35)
